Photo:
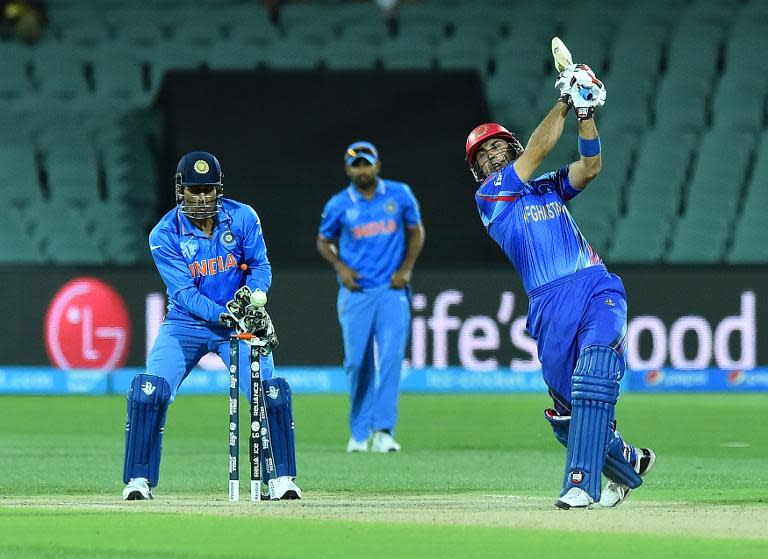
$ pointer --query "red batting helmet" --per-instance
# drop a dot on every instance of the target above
(485, 132)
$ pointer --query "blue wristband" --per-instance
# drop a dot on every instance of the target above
(589, 148)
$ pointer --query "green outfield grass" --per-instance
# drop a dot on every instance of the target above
(477, 477)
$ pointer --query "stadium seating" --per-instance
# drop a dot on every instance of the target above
(291, 53)
(404, 52)
(14, 67)
(60, 71)
(348, 54)
(18, 248)
(750, 239)
(658, 176)
(119, 73)
(685, 170)
(465, 50)
(698, 238)
(639, 238)
(732, 108)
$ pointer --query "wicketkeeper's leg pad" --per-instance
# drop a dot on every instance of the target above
(148, 399)
(277, 397)
(594, 392)
(617, 465)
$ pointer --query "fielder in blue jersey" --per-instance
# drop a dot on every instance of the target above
(206, 249)
(578, 310)
(371, 233)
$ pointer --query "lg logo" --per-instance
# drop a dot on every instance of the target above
(87, 326)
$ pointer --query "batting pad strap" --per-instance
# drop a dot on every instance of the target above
(148, 399)
(616, 468)
(589, 147)
(590, 388)
(597, 375)
(277, 397)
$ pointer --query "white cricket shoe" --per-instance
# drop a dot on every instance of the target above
(353, 445)
(383, 442)
(615, 493)
(283, 488)
(575, 498)
(137, 489)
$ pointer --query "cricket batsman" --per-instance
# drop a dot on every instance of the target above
(211, 254)
(577, 309)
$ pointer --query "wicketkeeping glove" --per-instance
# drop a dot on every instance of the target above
(247, 315)
(244, 297)
(226, 319)
(258, 322)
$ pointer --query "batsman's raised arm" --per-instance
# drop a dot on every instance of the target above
(581, 172)
(581, 89)
(542, 141)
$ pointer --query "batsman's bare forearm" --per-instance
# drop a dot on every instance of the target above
(588, 129)
(549, 130)
(542, 141)
(416, 236)
(328, 251)
(581, 172)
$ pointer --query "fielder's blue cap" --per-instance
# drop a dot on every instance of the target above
(361, 150)
(198, 167)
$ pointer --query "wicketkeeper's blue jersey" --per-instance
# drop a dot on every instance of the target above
(371, 233)
(532, 225)
(202, 273)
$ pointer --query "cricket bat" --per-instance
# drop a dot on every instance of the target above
(561, 54)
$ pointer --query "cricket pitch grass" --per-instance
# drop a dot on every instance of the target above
(477, 478)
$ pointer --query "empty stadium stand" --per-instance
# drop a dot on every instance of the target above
(685, 145)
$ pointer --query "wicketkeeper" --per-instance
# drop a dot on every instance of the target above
(578, 310)
(211, 254)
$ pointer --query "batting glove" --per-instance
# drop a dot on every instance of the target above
(587, 93)
(564, 82)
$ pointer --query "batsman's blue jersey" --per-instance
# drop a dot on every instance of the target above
(371, 233)
(574, 301)
(533, 227)
(202, 273)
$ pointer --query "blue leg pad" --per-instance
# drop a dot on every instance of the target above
(148, 399)
(594, 392)
(618, 465)
(277, 396)
(618, 459)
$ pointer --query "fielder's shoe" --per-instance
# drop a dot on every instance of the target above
(383, 442)
(137, 489)
(615, 493)
(284, 488)
(574, 498)
(353, 445)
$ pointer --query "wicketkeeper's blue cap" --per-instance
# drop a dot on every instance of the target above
(361, 150)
